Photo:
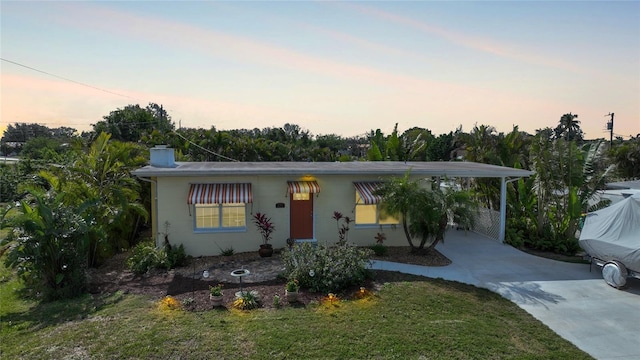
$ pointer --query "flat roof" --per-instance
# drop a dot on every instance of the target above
(398, 168)
(631, 184)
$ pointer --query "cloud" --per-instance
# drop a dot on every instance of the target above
(466, 40)
(33, 99)
(340, 97)
(177, 35)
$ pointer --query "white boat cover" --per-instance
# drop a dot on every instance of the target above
(613, 233)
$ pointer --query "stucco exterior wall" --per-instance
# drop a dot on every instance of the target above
(337, 194)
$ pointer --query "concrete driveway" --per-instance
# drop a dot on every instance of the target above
(573, 302)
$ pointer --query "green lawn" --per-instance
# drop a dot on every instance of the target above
(411, 319)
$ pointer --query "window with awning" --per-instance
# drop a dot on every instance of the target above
(303, 187)
(220, 193)
(367, 190)
(219, 207)
(367, 209)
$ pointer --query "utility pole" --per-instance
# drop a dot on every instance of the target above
(610, 128)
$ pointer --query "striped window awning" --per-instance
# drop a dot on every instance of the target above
(367, 190)
(220, 193)
(303, 187)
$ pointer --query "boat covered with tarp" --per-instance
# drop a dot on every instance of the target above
(611, 237)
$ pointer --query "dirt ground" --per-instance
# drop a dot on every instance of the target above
(188, 284)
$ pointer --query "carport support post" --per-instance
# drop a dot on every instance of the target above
(503, 208)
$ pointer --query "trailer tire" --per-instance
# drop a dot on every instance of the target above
(615, 274)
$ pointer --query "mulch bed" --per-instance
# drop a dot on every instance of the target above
(193, 291)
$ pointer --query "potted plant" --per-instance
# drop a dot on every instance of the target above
(291, 290)
(215, 294)
(266, 228)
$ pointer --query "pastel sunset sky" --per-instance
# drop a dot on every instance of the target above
(331, 67)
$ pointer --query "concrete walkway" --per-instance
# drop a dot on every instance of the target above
(573, 302)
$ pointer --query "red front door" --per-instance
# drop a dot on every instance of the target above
(301, 216)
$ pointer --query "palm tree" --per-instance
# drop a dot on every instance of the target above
(425, 212)
(569, 128)
(47, 244)
(102, 175)
(481, 145)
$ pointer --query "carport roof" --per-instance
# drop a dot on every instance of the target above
(439, 168)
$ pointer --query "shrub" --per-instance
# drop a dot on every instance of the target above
(514, 238)
(326, 269)
(47, 246)
(175, 256)
(144, 257)
(227, 251)
(379, 249)
(248, 300)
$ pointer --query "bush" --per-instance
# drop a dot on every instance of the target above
(144, 257)
(175, 256)
(227, 251)
(514, 238)
(248, 300)
(326, 269)
(46, 245)
(379, 249)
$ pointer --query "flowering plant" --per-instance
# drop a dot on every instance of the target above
(326, 269)
(292, 286)
(169, 303)
(216, 290)
(264, 225)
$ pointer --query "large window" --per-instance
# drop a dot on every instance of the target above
(219, 207)
(220, 216)
(372, 214)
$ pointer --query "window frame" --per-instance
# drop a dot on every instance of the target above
(221, 228)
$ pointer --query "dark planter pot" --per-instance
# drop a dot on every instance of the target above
(266, 250)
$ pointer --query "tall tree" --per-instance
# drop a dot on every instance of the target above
(416, 142)
(133, 122)
(103, 176)
(566, 182)
(569, 128)
(626, 156)
(441, 148)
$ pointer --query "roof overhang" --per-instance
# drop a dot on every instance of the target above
(383, 168)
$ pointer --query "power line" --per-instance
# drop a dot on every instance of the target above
(207, 150)
(66, 79)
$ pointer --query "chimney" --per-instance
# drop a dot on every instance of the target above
(162, 156)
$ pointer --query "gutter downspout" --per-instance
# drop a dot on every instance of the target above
(154, 206)
(503, 207)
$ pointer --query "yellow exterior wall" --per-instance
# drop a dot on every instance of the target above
(154, 207)
(337, 194)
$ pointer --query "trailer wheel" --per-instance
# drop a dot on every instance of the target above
(615, 274)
